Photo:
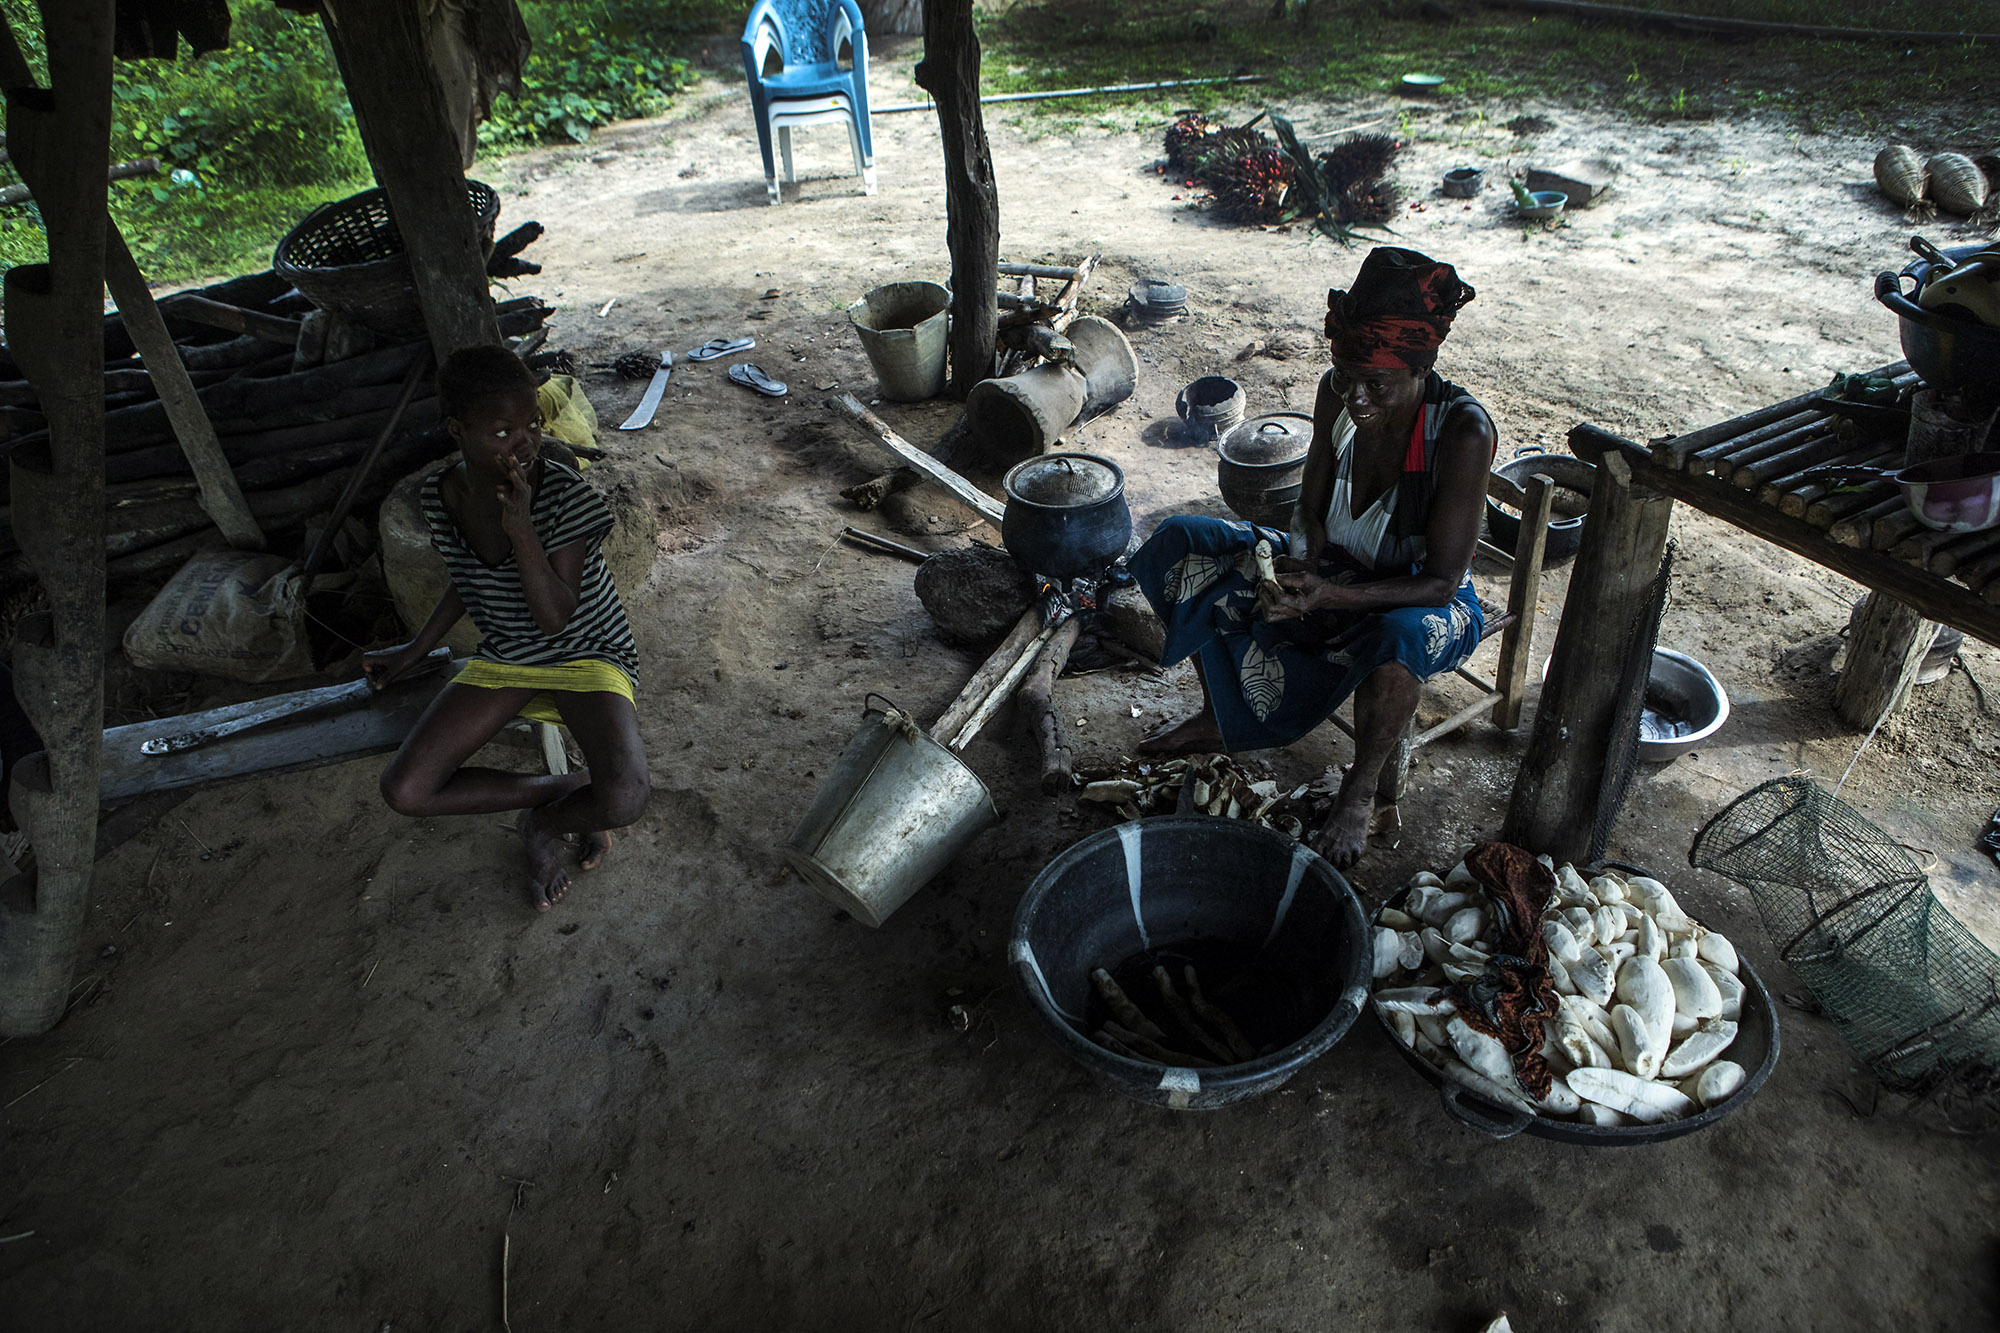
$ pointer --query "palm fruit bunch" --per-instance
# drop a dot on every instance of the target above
(1253, 187)
(1185, 138)
(1351, 174)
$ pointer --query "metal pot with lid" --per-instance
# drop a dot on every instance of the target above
(1260, 465)
(1066, 514)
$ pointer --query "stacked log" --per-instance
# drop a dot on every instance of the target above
(291, 431)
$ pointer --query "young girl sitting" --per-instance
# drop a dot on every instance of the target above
(522, 534)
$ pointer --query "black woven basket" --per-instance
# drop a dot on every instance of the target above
(348, 257)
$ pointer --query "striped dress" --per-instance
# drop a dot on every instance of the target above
(565, 511)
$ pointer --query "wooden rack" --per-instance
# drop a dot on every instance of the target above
(1761, 458)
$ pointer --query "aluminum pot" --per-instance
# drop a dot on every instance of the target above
(1066, 515)
(1565, 534)
(1949, 351)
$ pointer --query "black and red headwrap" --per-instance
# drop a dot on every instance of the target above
(1398, 311)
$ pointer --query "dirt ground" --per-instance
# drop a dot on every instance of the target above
(328, 1070)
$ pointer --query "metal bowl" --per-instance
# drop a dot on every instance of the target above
(1680, 687)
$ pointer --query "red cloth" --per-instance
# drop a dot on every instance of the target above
(1398, 311)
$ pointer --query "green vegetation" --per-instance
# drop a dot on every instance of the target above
(258, 134)
(1339, 49)
(255, 136)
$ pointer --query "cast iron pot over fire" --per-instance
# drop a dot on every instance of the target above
(1066, 515)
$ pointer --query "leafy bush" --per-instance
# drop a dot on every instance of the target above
(594, 61)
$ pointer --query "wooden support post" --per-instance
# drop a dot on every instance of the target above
(1885, 646)
(60, 140)
(1565, 770)
(949, 72)
(384, 57)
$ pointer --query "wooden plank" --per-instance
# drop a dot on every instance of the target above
(1674, 451)
(1716, 454)
(1966, 546)
(1938, 599)
(1795, 498)
(1977, 574)
(1855, 529)
(1517, 640)
(1893, 528)
(975, 499)
(126, 773)
(1824, 512)
(1814, 449)
(221, 497)
(1726, 466)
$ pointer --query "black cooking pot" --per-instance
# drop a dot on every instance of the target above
(1565, 532)
(1066, 515)
(1950, 352)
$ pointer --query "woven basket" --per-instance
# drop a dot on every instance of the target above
(348, 257)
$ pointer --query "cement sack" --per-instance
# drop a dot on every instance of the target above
(239, 614)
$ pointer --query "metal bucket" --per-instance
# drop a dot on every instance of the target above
(902, 328)
(895, 809)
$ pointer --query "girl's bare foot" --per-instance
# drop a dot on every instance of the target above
(595, 847)
(547, 880)
(1194, 735)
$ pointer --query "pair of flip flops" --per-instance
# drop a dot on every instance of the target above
(753, 377)
(718, 347)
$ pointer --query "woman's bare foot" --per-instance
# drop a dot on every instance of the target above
(547, 880)
(594, 847)
(1194, 735)
(1344, 836)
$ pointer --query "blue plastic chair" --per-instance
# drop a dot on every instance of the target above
(807, 63)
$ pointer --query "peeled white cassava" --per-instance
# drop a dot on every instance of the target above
(1695, 992)
(1719, 1082)
(1900, 174)
(1642, 1099)
(1698, 1048)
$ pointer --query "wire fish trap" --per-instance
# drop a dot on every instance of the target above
(1912, 991)
(348, 257)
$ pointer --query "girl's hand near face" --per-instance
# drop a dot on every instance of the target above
(517, 500)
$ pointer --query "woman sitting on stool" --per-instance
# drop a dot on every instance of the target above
(1376, 595)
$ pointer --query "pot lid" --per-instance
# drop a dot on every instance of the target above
(1275, 437)
(1064, 481)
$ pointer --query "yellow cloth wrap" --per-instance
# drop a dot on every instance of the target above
(567, 414)
(586, 675)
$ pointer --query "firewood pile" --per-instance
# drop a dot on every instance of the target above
(296, 398)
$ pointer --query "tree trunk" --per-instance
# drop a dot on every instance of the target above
(399, 106)
(893, 18)
(950, 73)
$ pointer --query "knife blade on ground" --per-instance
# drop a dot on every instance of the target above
(642, 415)
(347, 696)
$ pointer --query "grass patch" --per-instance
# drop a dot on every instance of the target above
(1343, 49)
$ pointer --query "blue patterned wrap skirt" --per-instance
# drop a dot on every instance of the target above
(1271, 682)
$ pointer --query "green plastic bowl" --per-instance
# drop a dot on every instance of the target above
(1424, 84)
(1547, 204)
